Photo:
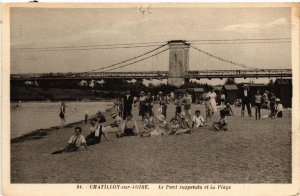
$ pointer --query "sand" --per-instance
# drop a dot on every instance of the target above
(249, 152)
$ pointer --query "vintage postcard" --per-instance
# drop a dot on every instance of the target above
(150, 98)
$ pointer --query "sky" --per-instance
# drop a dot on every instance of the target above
(45, 27)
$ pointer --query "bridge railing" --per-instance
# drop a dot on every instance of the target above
(255, 73)
(91, 75)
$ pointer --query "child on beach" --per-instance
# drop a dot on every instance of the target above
(148, 123)
(75, 142)
(228, 111)
(198, 120)
(278, 109)
(208, 107)
(258, 100)
(222, 124)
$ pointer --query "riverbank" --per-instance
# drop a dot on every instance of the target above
(249, 152)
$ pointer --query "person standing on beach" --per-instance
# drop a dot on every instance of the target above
(62, 114)
(246, 100)
(86, 117)
(127, 101)
(208, 108)
(142, 105)
(258, 100)
(272, 104)
(163, 102)
(149, 104)
(187, 104)
(223, 100)
(213, 101)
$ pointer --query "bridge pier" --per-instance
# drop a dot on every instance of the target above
(178, 62)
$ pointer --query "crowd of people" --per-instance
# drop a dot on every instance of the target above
(154, 123)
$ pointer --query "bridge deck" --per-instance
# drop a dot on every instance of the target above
(257, 73)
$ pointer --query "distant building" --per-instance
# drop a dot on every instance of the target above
(230, 91)
(283, 89)
(179, 92)
(198, 93)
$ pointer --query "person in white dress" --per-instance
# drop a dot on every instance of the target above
(213, 102)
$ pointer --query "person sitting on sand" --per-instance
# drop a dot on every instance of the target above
(198, 120)
(161, 129)
(75, 142)
(174, 126)
(228, 111)
(129, 127)
(222, 124)
(184, 126)
(278, 109)
(116, 124)
(148, 122)
(96, 132)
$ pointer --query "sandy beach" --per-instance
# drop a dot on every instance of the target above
(249, 152)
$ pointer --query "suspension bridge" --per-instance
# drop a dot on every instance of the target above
(178, 71)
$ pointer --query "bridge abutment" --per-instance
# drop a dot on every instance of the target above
(178, 62)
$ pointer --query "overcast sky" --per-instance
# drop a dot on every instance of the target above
(43, 27)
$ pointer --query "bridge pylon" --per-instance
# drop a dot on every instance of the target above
(178, 62)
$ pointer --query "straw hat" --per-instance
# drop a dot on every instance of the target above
(160, 117)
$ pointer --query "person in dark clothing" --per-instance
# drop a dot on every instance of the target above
(142, 105)
(96, 132)
(272, 104)
(246, 100)
(127, 102)
(163, 102)
(149, 104)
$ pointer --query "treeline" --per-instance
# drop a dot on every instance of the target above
(71, 90)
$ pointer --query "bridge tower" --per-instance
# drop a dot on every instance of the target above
(178, 62)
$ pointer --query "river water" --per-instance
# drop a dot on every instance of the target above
(30, 116)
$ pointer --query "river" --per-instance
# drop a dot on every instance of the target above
(30, 116)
